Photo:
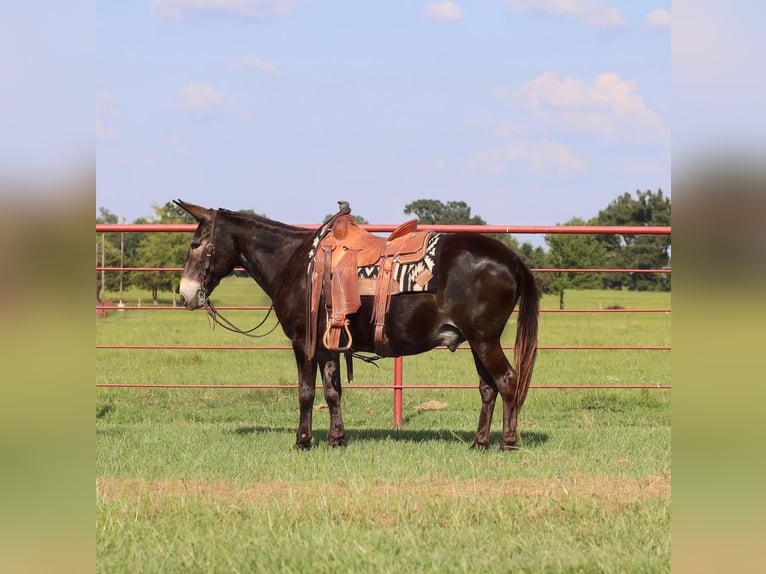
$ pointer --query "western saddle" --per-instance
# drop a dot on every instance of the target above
(343, 249)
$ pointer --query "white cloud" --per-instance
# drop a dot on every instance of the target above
(197, 96)
(243, 8)
(254, 62)
(105, 111)
(609, 105)
(536, 155)
(444, 11)
(593, 12)
(659, 18)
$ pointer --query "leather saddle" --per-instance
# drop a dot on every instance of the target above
(345, 248)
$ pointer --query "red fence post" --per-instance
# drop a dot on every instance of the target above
(398, 368)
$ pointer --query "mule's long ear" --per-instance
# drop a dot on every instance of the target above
(197, 212)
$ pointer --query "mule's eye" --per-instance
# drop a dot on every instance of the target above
(195, 244)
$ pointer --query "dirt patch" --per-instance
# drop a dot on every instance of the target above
(622, 489)
(431, 406)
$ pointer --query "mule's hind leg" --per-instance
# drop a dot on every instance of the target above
(330, 369)
(493, 365)
(488, 396)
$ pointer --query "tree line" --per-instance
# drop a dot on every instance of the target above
(564, 251)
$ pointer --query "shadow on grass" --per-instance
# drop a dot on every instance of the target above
(529, 439)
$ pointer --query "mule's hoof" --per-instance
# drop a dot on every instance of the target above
(479, 446)
(335, 443)
(508, 447)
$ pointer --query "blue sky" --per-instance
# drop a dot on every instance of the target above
(531, 111)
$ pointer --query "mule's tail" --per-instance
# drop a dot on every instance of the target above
(525, 351)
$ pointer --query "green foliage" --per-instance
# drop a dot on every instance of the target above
(433, 211)
(537, 258)
(637, 251)
(120, 250)
(573, 252)
(106, 216)
(108, 252)
(616, 251)
(110, 258)
(162, 250)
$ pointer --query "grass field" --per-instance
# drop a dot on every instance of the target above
(206, 480)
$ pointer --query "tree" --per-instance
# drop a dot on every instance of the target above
(162, 250)
(629, 251)
(106, 216)
(537, 258)
(108, 251)
(637, 251)
(433, 211)
(575, 251)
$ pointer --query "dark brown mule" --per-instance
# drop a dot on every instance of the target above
(479, 281)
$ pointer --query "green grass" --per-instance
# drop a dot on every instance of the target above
(380, 532)
(206, 480)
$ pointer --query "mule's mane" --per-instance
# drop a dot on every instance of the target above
(260, 219)
(297, 241)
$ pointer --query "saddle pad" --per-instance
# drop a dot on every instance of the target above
(410, 276)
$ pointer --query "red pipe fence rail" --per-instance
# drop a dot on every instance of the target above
(398, 383)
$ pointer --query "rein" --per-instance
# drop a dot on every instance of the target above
(219, 319)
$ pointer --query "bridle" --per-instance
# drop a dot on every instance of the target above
(204, 300)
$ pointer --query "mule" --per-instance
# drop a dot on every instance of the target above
(478, 281)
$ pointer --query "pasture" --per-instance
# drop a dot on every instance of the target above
(207, 480)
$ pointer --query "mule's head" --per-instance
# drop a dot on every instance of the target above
(212, 255)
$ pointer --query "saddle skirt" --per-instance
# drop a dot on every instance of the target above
(348, 262)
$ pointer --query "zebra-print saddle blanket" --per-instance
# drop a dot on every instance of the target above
(414, 276)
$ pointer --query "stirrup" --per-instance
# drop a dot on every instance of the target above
(326, 338)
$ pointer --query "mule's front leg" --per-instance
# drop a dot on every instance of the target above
(332, 393)
(307, 370)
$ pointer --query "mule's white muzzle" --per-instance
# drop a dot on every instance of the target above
(190, 290)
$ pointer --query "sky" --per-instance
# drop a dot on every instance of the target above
(531, 111)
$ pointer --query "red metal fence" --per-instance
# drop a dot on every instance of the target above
(398, 383)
